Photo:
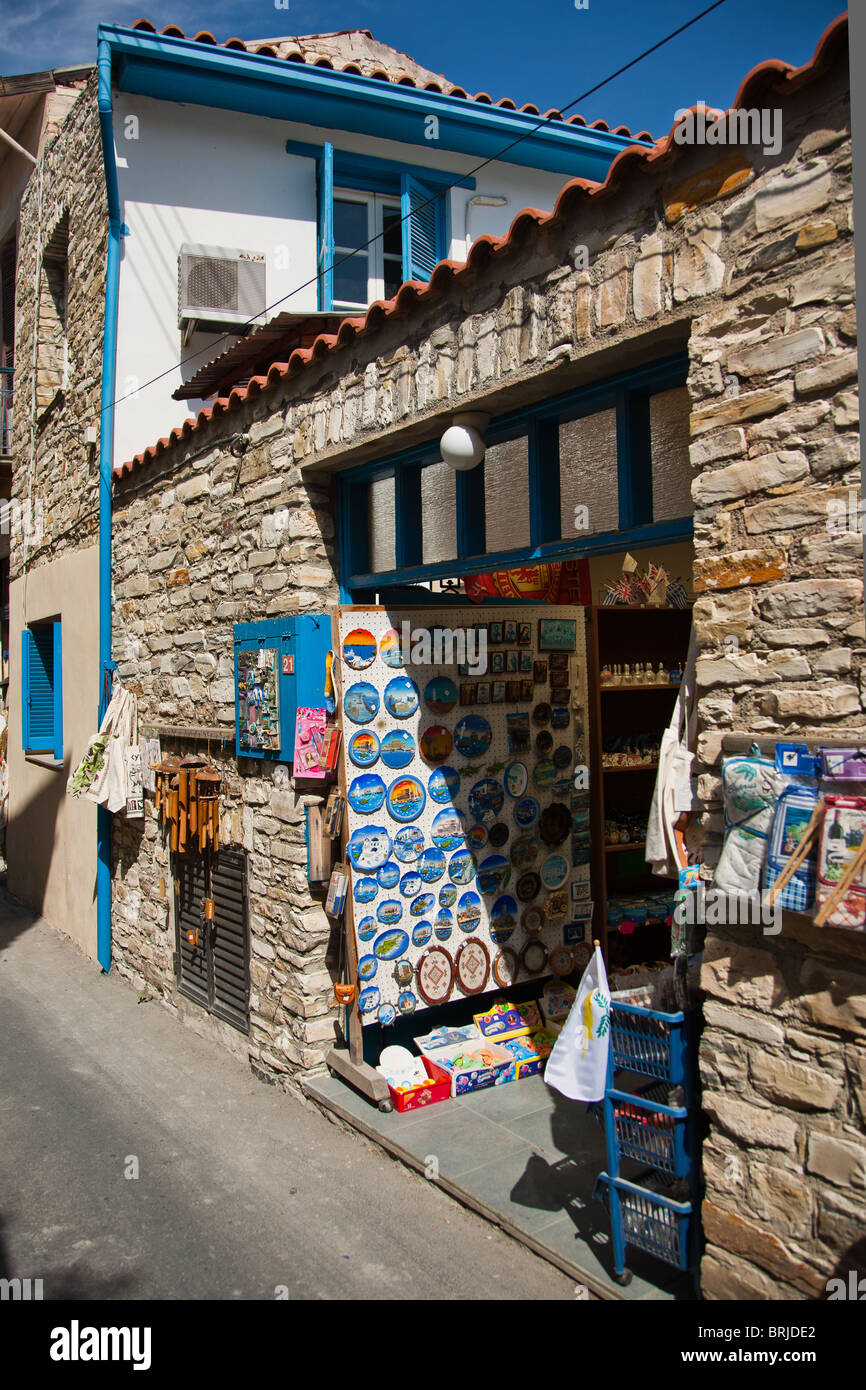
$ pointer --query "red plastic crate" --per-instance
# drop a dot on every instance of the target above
(425, 1093)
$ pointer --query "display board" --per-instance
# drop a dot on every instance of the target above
(464, 749)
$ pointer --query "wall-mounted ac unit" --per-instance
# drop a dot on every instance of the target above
(219, 285)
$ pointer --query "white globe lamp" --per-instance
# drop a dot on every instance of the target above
(462, 444)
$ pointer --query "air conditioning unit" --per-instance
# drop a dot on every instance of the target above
(219, 285)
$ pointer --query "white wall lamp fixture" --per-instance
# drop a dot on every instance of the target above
(462, 444)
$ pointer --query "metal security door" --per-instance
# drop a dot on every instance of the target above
(215, 973)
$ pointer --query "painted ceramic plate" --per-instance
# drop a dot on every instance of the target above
(528, 886)
(476, 837)
(469, 912)
(499, 834)
(443, 784)
(435, 975)
(408, 844)
(367, 928)
(389, 648)
(366, 793)
(410, 884)
(472, 966)
(472, 736)
(516, 779)
(361, 702)
(562, 757)
(359, 648)
(431, 865)
(368, 999)
(386, 1015)
(526, 812)
(554, 823)
(544, 773)
(368, 847)
(406, 798)
(541, 713)
(462, 867)
(367, 967)
(493, 873)
(561, 961)
(365, 890)
(443, 924)
(391, 944)
(533, 957)
(436, 744)
(532, 921)
(485, 800)
(403, 973)
(440, 694)
(406, 1002)
(363, 748)
(524, 852)
(544, 743)
(448, 829)
(425, 902)
(506, 968)
(554, 871)
(389, 912)
(401, 697)
(447, 895)
(422, 933)
(397, 748)
(389, 875)
(503, 919)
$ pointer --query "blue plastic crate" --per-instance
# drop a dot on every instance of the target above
(646, 1220)
(648, 1043)
(649, 1130)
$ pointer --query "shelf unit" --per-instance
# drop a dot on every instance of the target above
(620, 635)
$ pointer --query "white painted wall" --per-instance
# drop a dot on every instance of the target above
(193, 174)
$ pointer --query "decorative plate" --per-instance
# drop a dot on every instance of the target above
(528, 886)
(365, 890)
(391, 944)
(367, 967)
(447, 895)
(554, 823)
(406, 1002)
(440, 694)
(410, 884)
(361, 702)
(425, 902)
(533, 957)
(516, 779)
(368, 847)
(401, 697)
(431, 865)
(436, 744)
(448, 829)
(443, 924)
(462, 867)
(443, 784)
(506, 967)
(532, 921)
(503, 919)
(469, 912)
(499, 834)
(561, 961)
(389, 912)
(386, 1015)
(472, 966)
(544, 742)
(524, 852)
(389, 875)
(493, 873)
(367, 928)
(472, 736)
(366, 793)
(544, 772)
(408, 844)
(485, 800)
(397, 748)
(363, 748)
(526, 812)
(359, 648)
(368, 999)
(406, 798)
(390, 649)
(422, 933)
(476, 837)
(435, 975)
(541, 713)
(554, 871)
(562, 757)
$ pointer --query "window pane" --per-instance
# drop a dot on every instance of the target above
(350, 279)
(669, 442)
(350, 223)
(392, 240)
(587, 475)
(393, 277)
(380, 525)
(506, 494)
(438, 513)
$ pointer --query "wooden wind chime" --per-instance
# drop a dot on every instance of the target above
(188, 807)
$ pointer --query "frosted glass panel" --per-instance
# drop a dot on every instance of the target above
(380, 525)
(506, 494)
(438, 513)
(587, 475)
(669, 441)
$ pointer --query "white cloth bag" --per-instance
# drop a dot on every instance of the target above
(110, 785)
(577, 1066)
(674, 772)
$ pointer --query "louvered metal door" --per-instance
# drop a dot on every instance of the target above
(216, 973)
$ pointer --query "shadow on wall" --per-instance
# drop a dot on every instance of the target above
(31, 832)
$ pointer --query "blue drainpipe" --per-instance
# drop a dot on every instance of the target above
(106, 454)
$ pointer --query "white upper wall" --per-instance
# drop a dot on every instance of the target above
(195, 174)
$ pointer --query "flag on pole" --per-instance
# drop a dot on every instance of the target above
(577, 1066)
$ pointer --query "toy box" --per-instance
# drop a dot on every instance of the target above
(556, 1001)
(527, 1061)
(428, 1092)
(454, 1064)
(501, 1021)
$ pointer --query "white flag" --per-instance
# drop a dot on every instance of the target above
(577, 1066)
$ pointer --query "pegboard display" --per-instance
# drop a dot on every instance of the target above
(467, 813)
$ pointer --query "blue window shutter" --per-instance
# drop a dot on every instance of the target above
(38, 688)
(423, 213)
(325, 182)
(58, 691)
(25, 688)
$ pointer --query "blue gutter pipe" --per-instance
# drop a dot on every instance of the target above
(106, 455)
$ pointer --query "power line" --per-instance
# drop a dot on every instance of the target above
(491, 159)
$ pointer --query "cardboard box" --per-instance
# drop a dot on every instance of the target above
(476, 1078)
(501, 1021)
(527, 1062)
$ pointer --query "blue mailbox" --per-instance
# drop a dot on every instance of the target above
(279, 665)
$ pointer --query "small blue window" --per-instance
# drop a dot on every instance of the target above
(42, 689)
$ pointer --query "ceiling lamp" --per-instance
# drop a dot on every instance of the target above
(462, 444)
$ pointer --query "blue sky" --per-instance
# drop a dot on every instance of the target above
(545, 51)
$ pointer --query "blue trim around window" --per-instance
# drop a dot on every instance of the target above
(42, 689)
(369, 174)
(628, 393)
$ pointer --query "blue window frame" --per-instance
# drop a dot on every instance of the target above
(628, 397)
(42, 689)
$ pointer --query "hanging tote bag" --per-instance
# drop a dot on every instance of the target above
(101, 776)
(751, 786)
(843, 830)
(791, 817)
(663, 852)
